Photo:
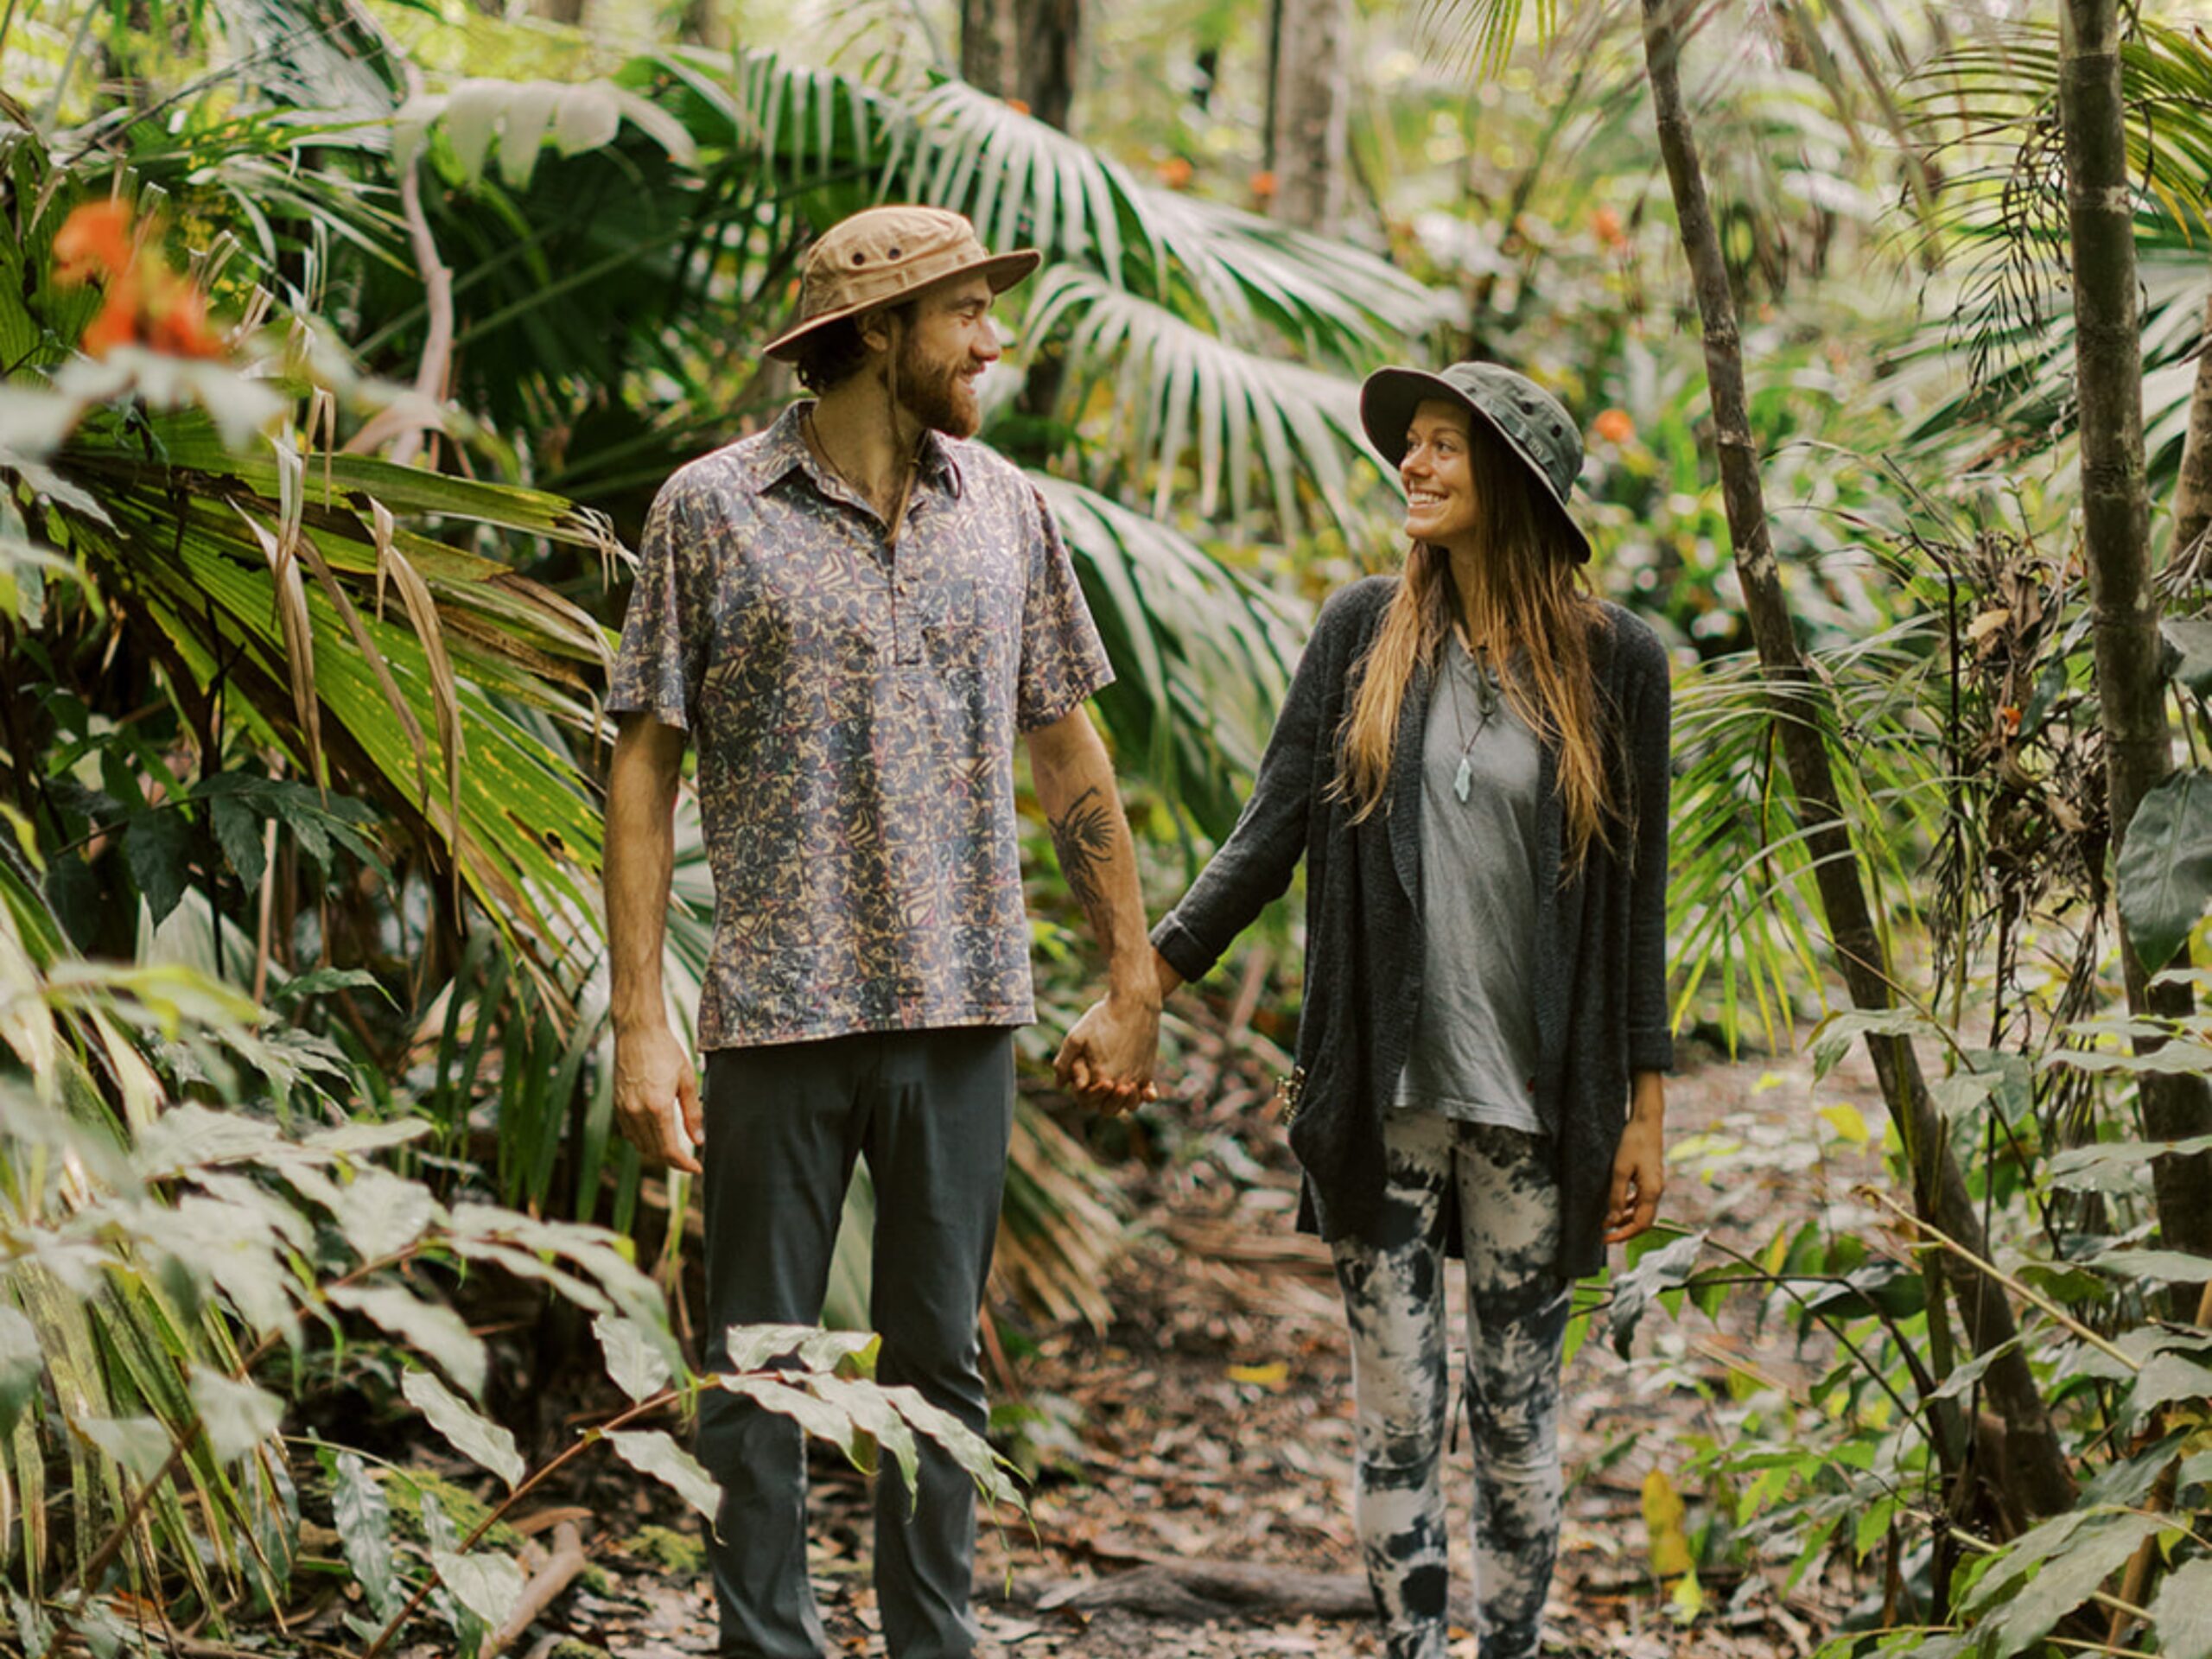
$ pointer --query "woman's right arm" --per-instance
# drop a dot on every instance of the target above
(1254, 866)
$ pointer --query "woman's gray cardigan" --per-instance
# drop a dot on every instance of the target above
(1600, 960)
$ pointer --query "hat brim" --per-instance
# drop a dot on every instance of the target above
(1000, 270)
(1390, 398)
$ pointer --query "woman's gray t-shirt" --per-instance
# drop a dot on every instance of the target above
(1474, 1056)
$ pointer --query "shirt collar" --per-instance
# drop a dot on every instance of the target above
(783, 449)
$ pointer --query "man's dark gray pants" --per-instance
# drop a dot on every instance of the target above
(930, 1112)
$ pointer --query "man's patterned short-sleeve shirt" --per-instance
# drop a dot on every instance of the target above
(854, 709)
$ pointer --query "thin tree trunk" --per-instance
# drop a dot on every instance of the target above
(1311, 114)
(2116, 533)
(2034, 1473)
(1049, 33)
(987, 45)
(2187, 553)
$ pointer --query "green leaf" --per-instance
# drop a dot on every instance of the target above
(21, 1362)
(476, 1438)
(141, 1445)
(368, 1137)
(2173, 1267)
(489, 1585)
(637, 1365)
(2066, 1578)
(752, 1346)
(238, 832)
(157, 845)
(2191, 639)
(826, 1350)
(1666, 1266)
(2118, 1165)
(2165, 873)
(381, 1214)
(432, 1328)
(871, 1407)
(2183, 1611)
(652, 1453)
(2165, 1378)
(300, 987)
(817, 1417)
(235, 1415)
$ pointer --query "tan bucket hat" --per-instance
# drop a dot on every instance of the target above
(883, 254)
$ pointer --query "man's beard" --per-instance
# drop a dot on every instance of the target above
(937, 394)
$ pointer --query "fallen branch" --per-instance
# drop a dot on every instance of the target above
(1193, 1591)
(566, 1560)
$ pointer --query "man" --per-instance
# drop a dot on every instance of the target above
(852, 614)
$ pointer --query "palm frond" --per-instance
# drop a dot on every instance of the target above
(1022, 180)
(1204, 651)
(1175, 391)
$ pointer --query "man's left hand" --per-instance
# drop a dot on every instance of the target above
(1106, 1062)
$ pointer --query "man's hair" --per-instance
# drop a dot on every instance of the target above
(834, 353)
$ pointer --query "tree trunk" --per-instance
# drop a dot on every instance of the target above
(987, 46)
(2193, 490)
(1311, 112)
(1049, 32)
(2116, 535)
(2035, 1473)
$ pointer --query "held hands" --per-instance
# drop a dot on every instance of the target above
(657, 1097)
(1106, 1062)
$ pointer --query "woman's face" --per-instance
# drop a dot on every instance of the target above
(1438, 474)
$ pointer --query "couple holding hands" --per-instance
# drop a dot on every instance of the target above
(854, 615)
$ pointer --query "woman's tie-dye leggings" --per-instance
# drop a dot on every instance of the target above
(1393, 1283)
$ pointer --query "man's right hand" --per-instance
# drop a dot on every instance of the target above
(657, 1098)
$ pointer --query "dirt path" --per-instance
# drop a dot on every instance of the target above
(1209, 1423)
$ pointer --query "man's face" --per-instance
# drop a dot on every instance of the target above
(949, 343)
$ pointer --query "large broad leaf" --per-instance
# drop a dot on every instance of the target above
(2164, 874)
(365, 1531)
(2183, 1611)
(1663, 1267)
(431, 1328)
(652, 1453)
(235, 1415)
(475, 1437)
(2064, 1580)
(489, 1585)
(638, 1367)
(2191, 639)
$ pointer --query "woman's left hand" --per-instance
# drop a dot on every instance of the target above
(1639, 1167)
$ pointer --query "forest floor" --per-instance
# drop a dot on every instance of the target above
(1208, 1424)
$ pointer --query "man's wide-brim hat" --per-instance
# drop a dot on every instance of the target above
(1534, 425)
(882, 255)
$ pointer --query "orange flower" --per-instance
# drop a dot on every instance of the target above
(144, 299)
(1175, 172)
(1263, 186)
(2009, 715)
(1019, 106)
(1614, 426)
(1606, 224)
(180, 327)
(93, 241)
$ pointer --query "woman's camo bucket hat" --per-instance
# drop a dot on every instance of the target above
(1534, 425)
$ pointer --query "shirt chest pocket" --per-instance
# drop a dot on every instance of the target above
(948, 630)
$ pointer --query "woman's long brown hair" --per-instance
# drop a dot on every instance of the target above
(1529, 593)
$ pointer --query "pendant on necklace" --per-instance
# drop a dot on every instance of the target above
(1465, 780)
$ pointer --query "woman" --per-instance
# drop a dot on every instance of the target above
(1472, 760)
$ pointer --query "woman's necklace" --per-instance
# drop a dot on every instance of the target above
(1463, 781)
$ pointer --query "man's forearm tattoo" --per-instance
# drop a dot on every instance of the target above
(1084, 837)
